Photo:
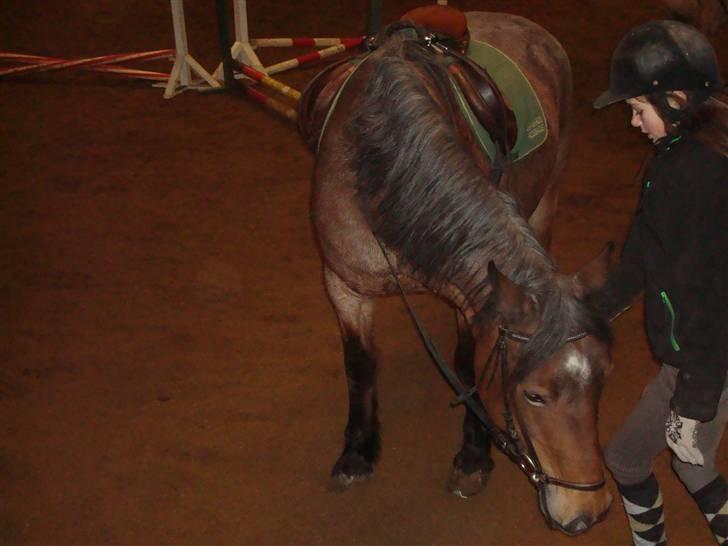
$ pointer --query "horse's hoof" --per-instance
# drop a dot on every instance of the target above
(349, 470)
(465, 485)
(342, 482)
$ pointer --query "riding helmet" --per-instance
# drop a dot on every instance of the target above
(661, 56)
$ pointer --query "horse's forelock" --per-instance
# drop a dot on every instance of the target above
(563, 315)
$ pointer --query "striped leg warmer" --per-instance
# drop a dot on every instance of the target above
(713, 502)
(643, 504)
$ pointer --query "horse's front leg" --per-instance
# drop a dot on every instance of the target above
(473, 463)
(361, 448)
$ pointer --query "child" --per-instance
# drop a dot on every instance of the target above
(676, 253)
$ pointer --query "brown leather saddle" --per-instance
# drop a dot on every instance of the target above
(482, 94)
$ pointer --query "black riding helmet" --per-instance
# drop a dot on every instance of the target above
(661, 56)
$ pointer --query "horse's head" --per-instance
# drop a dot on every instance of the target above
(554, 355)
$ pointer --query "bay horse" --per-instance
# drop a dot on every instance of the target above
(401, 195)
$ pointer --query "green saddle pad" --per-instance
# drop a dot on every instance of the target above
(530, 118)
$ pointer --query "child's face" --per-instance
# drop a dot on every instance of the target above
(646, 118)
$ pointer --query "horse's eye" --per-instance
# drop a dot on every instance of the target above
(534, 399)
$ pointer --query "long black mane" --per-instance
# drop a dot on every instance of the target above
(426, 198)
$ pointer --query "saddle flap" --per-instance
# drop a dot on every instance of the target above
(486, 101)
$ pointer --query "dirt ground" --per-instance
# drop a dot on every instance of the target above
(171, 369)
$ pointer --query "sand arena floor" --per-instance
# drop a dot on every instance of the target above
(171, 369)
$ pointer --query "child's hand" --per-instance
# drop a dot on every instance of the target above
(682, 437)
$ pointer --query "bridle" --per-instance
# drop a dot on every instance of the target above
(508, 442)
(522, 453)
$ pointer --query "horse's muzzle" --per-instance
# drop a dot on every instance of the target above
(581, 523)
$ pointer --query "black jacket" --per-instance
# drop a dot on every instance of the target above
(676, 252)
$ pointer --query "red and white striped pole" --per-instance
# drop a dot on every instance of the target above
(301, 42)
(281, 87)
(271, 103)
(105, 63)
(179, 78)
(313, 56)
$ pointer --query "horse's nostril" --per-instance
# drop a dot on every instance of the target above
(578, 525)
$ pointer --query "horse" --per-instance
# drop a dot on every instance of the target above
(402, 197)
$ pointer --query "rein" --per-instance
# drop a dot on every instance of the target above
(508, 441)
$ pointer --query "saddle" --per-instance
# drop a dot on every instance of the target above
(482, 94)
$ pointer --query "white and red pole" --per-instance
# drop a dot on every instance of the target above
(184, 64)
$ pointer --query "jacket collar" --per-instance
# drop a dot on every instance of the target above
(666, 143)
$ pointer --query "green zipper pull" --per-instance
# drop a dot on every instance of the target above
(671, 310)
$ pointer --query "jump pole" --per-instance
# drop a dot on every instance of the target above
(241, 87)
(105, 63)
(244, 48)
(241, 50)
(180, 78)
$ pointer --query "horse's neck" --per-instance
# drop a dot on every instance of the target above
(471, 289)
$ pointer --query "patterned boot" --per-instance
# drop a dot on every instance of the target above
(643, 504)
(713, 502)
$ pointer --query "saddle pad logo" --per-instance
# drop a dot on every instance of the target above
(536, 128)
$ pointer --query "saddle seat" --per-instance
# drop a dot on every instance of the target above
(483, 96)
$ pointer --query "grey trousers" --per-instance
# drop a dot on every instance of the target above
(630, 453)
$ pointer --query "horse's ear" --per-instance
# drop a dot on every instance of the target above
(540, 219)
(593, 275)
(510, 300)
